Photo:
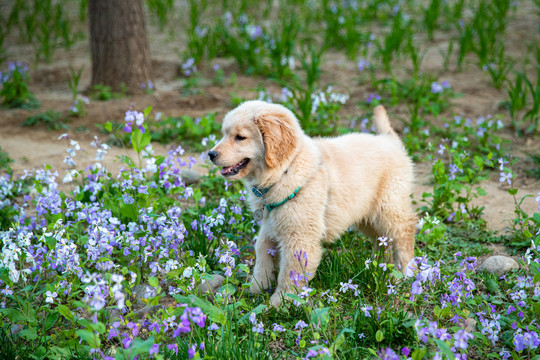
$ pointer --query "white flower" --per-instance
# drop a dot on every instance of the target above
(188, 272)
(117, 278)
(50, 297)
(151, 165)
(75, 144)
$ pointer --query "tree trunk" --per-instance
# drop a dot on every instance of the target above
(120, 52)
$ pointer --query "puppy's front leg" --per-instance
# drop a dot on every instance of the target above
(298, 263)
(263, 272)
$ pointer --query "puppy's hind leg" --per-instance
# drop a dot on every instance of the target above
(263, 272)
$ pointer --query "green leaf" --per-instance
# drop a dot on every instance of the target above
(51, 242)
(153, 281)
(418, 354)
(493, 286)
(129, 211)
(319, 317)
(99, 327)
(512, 191)
(89, 337)
(160, 159)
(481, 191)
(244, 268)
(444, 348)
(65, 311)
(13, 315)
(147, 111)
(29, 333)
(228, 289)
(4, 275)
(145, 140)
(379, 336)
(51, 319)
(141, 347)
(108, 126)
(136, 138)
(296, 297)
(340, 339)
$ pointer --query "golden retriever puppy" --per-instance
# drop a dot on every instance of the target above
(306, 191)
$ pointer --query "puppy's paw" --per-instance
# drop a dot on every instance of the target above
(275, 299)
(258, 285)
(255, 288)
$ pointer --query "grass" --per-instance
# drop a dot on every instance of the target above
(73, 254)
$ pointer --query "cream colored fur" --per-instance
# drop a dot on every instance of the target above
(357, 180)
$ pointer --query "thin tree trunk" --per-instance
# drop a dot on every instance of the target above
(120, 52)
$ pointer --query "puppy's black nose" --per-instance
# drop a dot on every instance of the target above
(212, 155)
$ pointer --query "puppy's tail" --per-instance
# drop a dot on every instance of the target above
(382, 124)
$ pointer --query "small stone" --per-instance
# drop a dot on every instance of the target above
(211, 285)
(141, 292)
(190, 176)
(148, 310)
(16, 328)
(470, 324)
(115, 314)
(498, 265)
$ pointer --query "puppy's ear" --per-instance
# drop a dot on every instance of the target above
(278, 135)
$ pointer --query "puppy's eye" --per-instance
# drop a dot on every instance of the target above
(239, 138)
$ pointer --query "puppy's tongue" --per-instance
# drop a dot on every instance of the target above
(233, 170)
(226, 170)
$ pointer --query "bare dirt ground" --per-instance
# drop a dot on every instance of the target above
(32, 147)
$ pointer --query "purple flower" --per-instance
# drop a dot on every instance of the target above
(113, 333)
(372, 97)
(461, 339)
(154, 349)
(363, 64)
(366, 310)
(253, 318)
(405, 351)
(390, 288)
(300, 325)
(189, 67)
(278, 328)
(134, 328)
(301, 255)
(506, 177)
(134, 117)
(258, 328)
(254, 32)
(173, 347)
(311, 353)
(416, 288)
(387, 354)
(436, 88)
(191, 351)
(126, 341)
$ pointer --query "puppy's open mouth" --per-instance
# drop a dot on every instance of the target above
(235, 169)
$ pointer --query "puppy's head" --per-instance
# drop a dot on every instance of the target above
(256, 136)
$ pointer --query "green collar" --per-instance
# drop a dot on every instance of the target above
(261, 192)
